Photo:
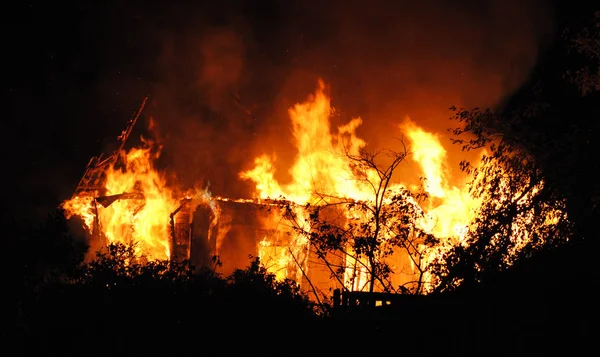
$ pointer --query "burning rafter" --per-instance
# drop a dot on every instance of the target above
(95, 172)
(118, 206)
(106, 201)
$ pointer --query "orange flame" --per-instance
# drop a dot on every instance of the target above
(137, 206)
(451, 208)
(322, 169)
(321, 164)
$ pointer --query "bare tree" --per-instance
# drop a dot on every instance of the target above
(355, 239)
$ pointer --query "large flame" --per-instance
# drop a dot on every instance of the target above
(450, 208)
(141, 204)
(139, 220)
(322, 169)
(136, 206)
(321, 165)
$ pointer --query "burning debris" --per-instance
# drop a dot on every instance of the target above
(123, 199)
(335, 192)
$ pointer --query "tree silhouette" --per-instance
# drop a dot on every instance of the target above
(356, 239)
(519, 212)
(538, 180)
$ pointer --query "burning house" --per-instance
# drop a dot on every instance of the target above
(123, 198)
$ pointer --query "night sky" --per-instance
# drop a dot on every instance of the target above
(220, 76)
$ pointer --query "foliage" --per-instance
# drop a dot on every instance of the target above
(46, 252)
(587, 43)
(119, 268)
(118, 265)
(538, 179)
(260, 289)
(519, 212)
(117, 289)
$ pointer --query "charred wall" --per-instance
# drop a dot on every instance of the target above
(230, 234)
(203, 238)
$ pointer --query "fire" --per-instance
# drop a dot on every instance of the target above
(81, 206)
(450, 207)
(139, 220)
(136, 205)
(322, 172)
(321, 165)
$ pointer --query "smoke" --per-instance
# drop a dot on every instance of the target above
(391, 59)
(222, 75)
(225, 76)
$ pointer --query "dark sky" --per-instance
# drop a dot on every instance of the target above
(220, 76)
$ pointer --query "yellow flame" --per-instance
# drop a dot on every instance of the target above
(322, 169)
(80, 206)
(451, 208)
(321, 172)
(140, 214)
(321, 164)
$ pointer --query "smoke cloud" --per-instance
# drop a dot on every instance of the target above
(221, 77)
(227, 85)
